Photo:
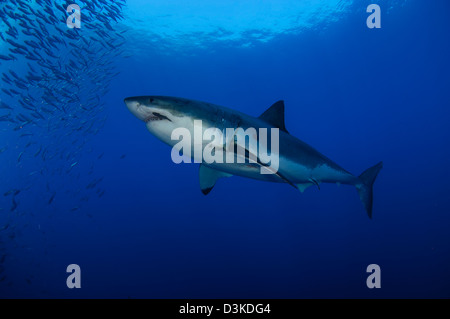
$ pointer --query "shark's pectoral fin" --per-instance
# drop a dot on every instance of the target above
(208, 178)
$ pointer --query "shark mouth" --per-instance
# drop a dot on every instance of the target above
(156, 117)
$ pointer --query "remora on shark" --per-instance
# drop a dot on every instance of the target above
(300, 165)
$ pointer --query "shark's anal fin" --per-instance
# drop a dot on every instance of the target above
(208, 178)
(274, 115)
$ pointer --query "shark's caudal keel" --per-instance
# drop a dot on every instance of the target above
(292, 161)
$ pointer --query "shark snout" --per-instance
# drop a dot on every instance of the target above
(136, 108)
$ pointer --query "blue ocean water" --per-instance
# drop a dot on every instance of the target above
(96, 189)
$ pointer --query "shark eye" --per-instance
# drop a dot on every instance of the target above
(151, 100)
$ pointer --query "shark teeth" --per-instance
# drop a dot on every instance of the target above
(151, 118)
(156, 117)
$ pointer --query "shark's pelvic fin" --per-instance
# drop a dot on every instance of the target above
(274, 115)
(365, 189)
(208, 178)
(303, 186)
(315, 182)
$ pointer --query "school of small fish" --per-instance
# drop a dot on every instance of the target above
(53, 79)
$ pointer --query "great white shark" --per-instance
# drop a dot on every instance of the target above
(300, 165)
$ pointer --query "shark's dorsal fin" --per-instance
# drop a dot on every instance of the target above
(274, 115)
(208, 178)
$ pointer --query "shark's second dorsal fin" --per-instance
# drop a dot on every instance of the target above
(208, 177)
(274, 115)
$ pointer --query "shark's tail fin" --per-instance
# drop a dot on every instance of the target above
(364, 188)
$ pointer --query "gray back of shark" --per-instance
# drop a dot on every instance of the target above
(300, 165)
